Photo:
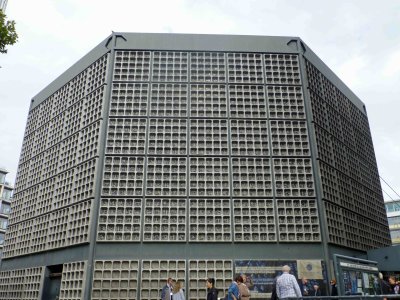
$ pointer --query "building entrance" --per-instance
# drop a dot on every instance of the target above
(52, 283)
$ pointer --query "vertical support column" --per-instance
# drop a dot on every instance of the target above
(98, 184)
(314, 151)
(229, 142)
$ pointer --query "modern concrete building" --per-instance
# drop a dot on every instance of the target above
(393, 215)
(190, 156)
(5, 206)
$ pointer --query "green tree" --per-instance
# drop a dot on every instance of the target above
(8, 35)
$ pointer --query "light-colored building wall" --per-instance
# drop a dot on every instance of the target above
(393, 214)
(5, 205)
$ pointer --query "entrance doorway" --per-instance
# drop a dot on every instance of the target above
(52, 282)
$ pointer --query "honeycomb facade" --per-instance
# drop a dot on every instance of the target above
(351, 190)
(163, 155)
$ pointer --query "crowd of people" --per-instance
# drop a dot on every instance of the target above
(285, 286)
(239, 289)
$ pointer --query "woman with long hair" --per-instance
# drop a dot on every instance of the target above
(177, 292)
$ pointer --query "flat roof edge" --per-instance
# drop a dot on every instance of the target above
(204, 42)
(195, 42)
(168, 42)
(84, 62)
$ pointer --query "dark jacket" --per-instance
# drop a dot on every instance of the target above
(334, 290)
(305, 289)
(212, 294)
(315, 293)
(385, 286)
(165, 293)
(274, 296)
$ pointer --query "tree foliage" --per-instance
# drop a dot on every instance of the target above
(8, 35)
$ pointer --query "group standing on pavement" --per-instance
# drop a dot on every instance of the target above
(285, 286)
(172, 290)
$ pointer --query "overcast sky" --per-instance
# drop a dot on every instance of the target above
(359, 40)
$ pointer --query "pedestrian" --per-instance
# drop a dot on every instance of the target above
(212, 292)
(233, 290)
(305, 287)
(243, 289)
(249, 282)
(394, 287)
(385, 286)
(286, 285)
(166, 293)
(177, 292)
(316, 290)
(334, 291)
(273, 292)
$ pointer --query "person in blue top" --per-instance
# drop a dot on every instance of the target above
(233, 290)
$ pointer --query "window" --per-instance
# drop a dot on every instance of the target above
(392, 206)
(7, 194)
(5, 208)
(3, 223)
(2, 178)
(2, 238)
(395, 235)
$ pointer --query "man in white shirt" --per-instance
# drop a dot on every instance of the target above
(286, 285)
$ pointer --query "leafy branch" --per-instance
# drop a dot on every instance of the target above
(8, 35)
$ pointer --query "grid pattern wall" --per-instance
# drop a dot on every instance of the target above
(210, 220)
(119, 220)
(60, 228)
(298, 220)
(145, 279)
(73, 281)
(194, 135)
(154, 274)
(349, 174)
(115, 280)
(57, 167)
(166, 176)
(21, 284)
(199, 270)
(254, 220)
(164, 220)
